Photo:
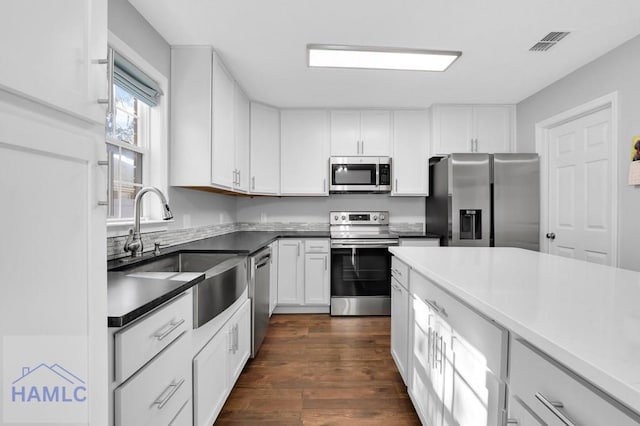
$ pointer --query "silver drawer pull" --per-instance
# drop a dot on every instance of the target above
(439, 309)
(554, 407)
(160, 334)
(169, 391)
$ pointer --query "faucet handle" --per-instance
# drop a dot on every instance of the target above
(156, 248)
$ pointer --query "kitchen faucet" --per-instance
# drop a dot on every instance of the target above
(134, 242)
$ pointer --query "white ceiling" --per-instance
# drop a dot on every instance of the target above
(263, 43)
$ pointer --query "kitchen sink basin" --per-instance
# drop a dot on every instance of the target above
(225, 279)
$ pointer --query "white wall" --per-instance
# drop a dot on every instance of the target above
(316, 209)
(615, 71)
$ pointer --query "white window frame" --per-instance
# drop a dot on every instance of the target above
(155, 156)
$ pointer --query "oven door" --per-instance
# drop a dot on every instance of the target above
(360, 270)
(348, 175)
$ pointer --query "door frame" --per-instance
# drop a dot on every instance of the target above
(542, 130)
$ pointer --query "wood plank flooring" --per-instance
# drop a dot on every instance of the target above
(321, 370)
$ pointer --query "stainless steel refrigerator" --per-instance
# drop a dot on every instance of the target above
(490, 200)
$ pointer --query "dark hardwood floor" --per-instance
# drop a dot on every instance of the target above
(321, 370)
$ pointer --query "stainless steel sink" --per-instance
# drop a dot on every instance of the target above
(225, 279)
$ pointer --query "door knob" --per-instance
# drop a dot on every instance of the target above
(551, 236)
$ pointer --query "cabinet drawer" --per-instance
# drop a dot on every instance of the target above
(137, 344)
(400, 271)
(155, 395)
(533, 378)
(316, 246)
(484, 338)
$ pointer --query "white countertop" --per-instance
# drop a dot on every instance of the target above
(584, 315)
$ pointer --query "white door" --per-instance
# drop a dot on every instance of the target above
(316, 279)
(290, 270)
(580, 205)
(375, 133)
(345, 133)
(223, 144)
(492, 126)
(304, 152)
(265, 149)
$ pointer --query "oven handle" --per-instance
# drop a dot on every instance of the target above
(377, 244)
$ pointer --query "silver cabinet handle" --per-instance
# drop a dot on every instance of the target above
(230, 342)
(512, 422)
(439, 309)
(235, 338)
(253, 182)
(109, 62)
(324, 185)
(162, 333)
(298, 246)
(396, 184)
(170, 391)
(316, 247)
(106, 163)
(554, 407)
(325, 263)
(397, 271)
(239, 177)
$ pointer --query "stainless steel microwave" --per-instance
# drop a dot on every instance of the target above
(359, 174)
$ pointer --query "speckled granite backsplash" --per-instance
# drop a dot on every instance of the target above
(180, 236)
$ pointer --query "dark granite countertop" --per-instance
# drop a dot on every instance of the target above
(130, 297)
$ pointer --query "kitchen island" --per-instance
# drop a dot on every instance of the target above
(579, 318)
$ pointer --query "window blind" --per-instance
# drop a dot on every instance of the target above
(132, 79)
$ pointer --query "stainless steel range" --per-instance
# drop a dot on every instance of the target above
(360, 263)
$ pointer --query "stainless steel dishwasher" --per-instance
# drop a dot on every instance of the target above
(259, 295)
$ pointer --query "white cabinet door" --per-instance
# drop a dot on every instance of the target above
(223, 143)
(304, 153)
(473, 128)
(290, 272)
(239, 333)
(265, 150)
(316, 279)
(210, 379)
(273, 280)
(399, 327)
(375, 133)
(345, 133)
(360, 133)
(493, 128)
(50, 52)
(452, 129)
(50, 188)
(242, 139)
(411, 150)
(191, 89)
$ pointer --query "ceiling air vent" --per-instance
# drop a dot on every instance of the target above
(548, 41)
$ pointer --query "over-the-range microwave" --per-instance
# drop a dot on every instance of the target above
(359, 174)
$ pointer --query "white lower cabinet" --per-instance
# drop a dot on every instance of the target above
(304, 272)
(156, 393)
(400, 318)
(457, 359)
(218, 365)
(555, 395)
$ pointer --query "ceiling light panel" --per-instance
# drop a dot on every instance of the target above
(332, 56)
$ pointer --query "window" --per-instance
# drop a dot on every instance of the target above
(128, 137)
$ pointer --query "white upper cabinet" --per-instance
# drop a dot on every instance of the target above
(360, 133)
(473, 128)
(242, 139)
(209, 122)
(265, 150)
(411, 150)
(304, 163)
(223, 172)
(50, 53)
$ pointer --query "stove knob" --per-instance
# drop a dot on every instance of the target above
(376, 218)
(343, 217)
(335, 217)
(381, 217)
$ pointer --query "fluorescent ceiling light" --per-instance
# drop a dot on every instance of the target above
(333, 56)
